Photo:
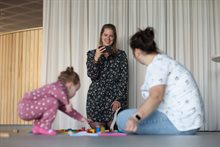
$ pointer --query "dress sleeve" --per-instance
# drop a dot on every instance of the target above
(122, 84)
(92, 67)
(74, 113)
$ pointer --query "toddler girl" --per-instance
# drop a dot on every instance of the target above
(41, 105)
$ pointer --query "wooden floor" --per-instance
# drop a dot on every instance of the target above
(23, 138)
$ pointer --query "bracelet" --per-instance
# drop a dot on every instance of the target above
(137, 117)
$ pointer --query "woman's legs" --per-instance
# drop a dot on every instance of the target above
(156, 123)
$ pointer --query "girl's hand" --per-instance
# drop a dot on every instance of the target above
(131, 125)
(69, 107)
(89, 121)
(99, 51)
(115, 105)
(85, 120)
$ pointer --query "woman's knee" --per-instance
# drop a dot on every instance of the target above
(123, 117)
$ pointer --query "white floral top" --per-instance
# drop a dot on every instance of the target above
(182, 102)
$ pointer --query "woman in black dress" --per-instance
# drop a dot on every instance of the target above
(107, 67)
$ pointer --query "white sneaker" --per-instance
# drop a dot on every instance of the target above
(114, 119)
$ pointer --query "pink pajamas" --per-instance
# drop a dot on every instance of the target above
(41, 105)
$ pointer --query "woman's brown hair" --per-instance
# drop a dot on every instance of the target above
(69, 75)
(113, 28)
(144, 40)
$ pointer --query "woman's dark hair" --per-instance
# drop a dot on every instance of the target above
(69, 75)
(144, 40)
(113, 28)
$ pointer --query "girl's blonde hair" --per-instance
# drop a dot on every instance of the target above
(69, 75)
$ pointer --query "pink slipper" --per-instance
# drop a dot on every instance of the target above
(38, 130)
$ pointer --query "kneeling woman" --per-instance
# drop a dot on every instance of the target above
(173, 104)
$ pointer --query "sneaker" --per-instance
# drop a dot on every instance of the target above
(39, 130)
(112, 126)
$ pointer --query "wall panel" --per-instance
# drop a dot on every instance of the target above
(20, 68)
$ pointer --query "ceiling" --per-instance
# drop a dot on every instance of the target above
(20, 14)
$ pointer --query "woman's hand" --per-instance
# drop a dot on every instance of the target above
(99, 51)
(131, 125)
(68, 107)
(115, 105)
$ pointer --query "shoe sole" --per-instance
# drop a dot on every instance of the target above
(114, 119)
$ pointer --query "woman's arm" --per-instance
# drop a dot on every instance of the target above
(154, 99)
(122, 84)
(92, 65)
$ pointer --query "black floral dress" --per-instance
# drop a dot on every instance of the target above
(109, 83)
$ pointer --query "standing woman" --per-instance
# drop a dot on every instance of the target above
(107, 67)
(173, 104)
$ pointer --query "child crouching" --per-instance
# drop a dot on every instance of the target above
(41, 104)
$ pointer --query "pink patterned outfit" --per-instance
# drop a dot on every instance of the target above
(41, 105)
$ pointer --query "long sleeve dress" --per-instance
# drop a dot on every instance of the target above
(109, 83)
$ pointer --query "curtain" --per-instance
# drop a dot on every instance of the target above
(187, 30)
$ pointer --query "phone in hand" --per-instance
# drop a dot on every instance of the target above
(108, 49)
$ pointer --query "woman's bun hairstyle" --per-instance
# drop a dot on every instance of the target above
(144, 40)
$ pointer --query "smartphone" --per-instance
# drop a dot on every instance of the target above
(108, 49)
